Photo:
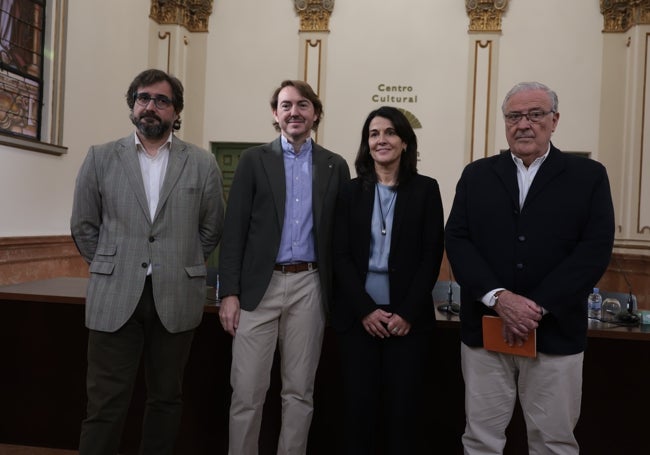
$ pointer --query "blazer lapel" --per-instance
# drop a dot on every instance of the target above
(401, 208)
(321, 174)
(273, 164)
(550, 168)
(175, 165)
(129, 157)
(506, 170)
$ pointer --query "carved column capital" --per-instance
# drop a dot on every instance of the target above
(485, 15)
(314, 14)
(191, 14)
(621, 15)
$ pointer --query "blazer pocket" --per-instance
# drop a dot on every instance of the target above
(194, 271)
(102, 267)
(106, 250)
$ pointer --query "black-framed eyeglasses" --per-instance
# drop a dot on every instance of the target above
(512, 118)
(160, 101)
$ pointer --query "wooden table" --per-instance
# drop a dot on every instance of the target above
(42, 386)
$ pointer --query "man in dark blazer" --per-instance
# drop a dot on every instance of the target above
(275, 268)
(530, 233)
(147, 212)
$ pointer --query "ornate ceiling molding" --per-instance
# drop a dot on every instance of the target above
(621, 15)
(314, 14)
(191, 14)
(485, 15)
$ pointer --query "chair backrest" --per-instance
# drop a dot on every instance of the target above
(441, 290)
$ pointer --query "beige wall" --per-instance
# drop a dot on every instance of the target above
(252, 45)
(415, 43)
(36, 189)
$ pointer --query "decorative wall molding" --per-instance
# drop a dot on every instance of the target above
(191, 14)
(483, 105)
(313, 66)
(643, 214)
(314, 14)
(485, 15)
(621, 15)
(167, 36)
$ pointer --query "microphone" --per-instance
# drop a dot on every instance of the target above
(451, 306)
(629, 316)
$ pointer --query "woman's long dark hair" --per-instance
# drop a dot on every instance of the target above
(365, 165)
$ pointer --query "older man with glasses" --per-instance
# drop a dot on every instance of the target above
(529, 234)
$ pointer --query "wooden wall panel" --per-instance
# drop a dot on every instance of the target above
(632, 269)
(25, 259)
(36, 258)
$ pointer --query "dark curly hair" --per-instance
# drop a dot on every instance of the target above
(153, 76)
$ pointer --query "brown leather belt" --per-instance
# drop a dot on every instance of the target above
(295, 268)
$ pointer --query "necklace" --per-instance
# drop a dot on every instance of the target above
(381, 208)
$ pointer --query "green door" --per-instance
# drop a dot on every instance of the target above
(227, 155)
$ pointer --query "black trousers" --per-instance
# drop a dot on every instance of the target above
(386, 391)
(113, 361)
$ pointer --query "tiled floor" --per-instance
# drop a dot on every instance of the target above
(6, 449)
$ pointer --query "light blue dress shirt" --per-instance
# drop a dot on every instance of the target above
(297, 241)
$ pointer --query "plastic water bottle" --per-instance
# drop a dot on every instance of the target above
(594, 304)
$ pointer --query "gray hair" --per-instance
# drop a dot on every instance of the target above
(527, 86)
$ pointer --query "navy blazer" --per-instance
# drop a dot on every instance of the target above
(415, 252)
(552, 250)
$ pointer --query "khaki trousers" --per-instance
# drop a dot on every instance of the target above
(549, 389)
(290, 315)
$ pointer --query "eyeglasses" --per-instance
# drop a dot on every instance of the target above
(160, 101)
(512, 118)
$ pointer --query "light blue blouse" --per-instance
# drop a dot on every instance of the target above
(377, 285)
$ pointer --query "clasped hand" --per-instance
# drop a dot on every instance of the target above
(383, 324)
(520, 316)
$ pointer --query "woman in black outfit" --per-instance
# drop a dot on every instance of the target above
(388, 245)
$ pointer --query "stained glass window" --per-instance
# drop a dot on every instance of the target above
(21, 66)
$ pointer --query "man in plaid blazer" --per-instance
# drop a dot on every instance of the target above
(148, 210)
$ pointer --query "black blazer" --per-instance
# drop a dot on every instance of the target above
(415, 252)
(255, 218)
(552, 250)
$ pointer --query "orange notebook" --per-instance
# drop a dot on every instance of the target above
(493, 339)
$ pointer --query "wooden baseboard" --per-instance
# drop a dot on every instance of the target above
(8, 449)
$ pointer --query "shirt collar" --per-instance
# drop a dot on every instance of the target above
(287, 147)
(538, 161)
(139, 146)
